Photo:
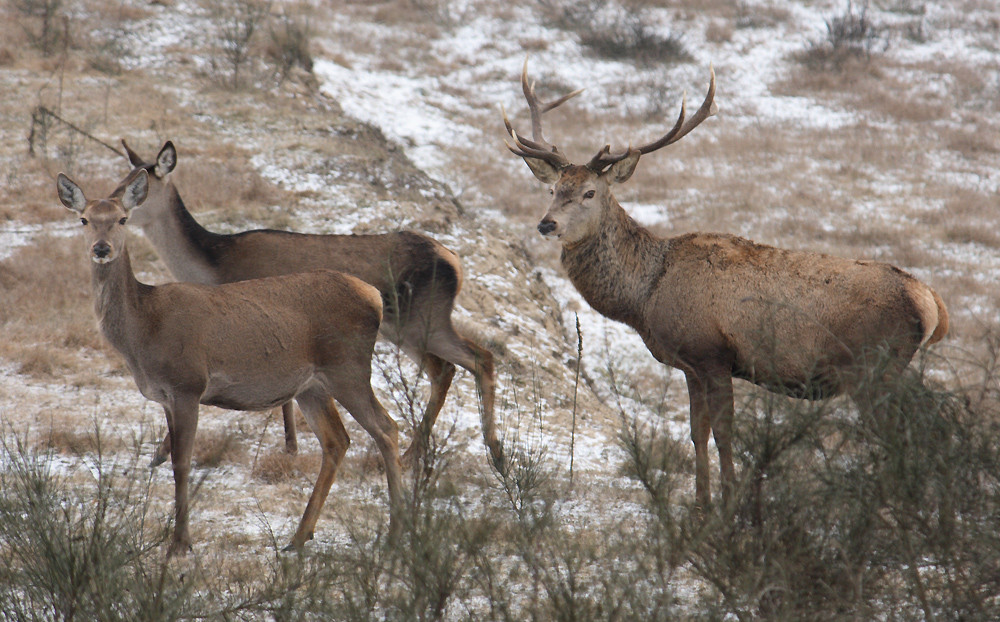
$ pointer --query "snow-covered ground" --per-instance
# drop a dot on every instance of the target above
(429, 108)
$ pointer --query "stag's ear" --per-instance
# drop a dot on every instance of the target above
(70, 194)
(620, 171)
(166, 160)
(543, 170)
(135, 191)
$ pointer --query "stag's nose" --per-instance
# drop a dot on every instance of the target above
(546, 226)
(101, 250)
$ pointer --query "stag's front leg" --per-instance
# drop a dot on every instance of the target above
(720, 408)
(701, 428)
(182, 420)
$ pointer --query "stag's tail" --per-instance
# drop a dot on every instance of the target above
(933, 314)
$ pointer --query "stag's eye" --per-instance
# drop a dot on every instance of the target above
(552, 191)
(588, 194)
(123, 219)
(83, 221)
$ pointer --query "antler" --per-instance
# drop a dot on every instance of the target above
(604, 158)
(537, 146)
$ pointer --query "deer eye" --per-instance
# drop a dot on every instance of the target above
(83, 221)
(588, 194)
(123, 219)
(552, 191)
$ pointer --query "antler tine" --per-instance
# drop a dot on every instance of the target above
(682, 128)
(604, 158)
(538, 108)
(529, 149)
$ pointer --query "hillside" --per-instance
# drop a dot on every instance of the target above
(881, 141)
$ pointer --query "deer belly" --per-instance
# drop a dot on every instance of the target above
(257, 390)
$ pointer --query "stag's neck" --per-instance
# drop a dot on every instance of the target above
(117, 301)
(190, 251)
(616, 267)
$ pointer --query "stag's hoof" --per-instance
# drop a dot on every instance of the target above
(178, 548)
(157, 461)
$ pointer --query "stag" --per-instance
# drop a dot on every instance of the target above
(718, 306)
(250, 345)
(417, 277)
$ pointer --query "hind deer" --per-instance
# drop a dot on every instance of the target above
(250, 345)
(418, 279)
(717, 306)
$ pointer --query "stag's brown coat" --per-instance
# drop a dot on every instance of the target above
(719, 306)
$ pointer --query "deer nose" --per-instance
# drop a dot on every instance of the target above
(102, 250)
(546, 226)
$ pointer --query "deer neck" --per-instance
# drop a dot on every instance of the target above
(616, 266)
(188, 249)
(117, 301)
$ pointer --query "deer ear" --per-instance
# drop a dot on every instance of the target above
(133, 157)
(135, 191)
(166, 160)
(543, 170)
(70, 194)
(620, 171)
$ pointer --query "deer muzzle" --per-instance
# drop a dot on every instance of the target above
(547, 226)
(100, 252)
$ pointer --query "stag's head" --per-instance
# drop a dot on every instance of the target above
(580, 193)
(158, 197)
(104, 219)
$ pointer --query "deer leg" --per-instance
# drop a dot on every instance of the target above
(325, 421)
(700, 430)
(291, 442)
(720, 408)
(162, 452)
(440, 372)
(367, 411)
(288, 416)
(467, 354)
(182, 421)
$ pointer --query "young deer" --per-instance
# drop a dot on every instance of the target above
(246, 346)
(718, 306)
(418, 279)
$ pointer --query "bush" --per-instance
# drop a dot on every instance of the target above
(849, 36)
(850, 515)
(44, 23)
(617, 31)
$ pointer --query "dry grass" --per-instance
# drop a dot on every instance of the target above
(776, 183)
(276, 467)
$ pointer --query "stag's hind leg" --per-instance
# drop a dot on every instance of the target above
(325, 422)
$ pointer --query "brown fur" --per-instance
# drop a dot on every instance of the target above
(250, 345)
(719, 306)
(417, 277)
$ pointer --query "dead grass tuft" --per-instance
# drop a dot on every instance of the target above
(277, 467)
(216, 447)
